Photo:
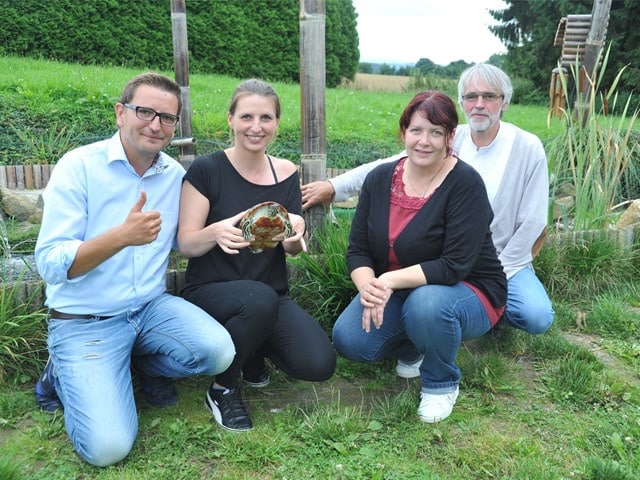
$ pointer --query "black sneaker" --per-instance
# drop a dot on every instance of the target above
(257, 380)
(45, 390)
(158, 391)
(228, 410)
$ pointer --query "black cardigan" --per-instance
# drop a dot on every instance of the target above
(449, 236)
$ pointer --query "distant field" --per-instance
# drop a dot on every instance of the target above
(371, 82)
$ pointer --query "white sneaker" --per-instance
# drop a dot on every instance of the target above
(434, 408)
(409, 370)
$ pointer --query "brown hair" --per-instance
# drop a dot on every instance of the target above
(151, 79)
(253, 86)
(436, 107)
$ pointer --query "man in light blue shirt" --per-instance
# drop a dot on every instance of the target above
(109, 223)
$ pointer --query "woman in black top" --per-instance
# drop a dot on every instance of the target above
(248, 292)
(421, 256)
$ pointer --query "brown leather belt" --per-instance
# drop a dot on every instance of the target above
(73, 316)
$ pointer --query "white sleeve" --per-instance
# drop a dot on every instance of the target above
(349, 183)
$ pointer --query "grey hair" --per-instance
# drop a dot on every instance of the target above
(489, 74)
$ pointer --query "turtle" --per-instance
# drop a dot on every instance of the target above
(263, 222)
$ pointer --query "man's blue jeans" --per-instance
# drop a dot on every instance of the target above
(169, 337)
(528, 305)
(431, 320)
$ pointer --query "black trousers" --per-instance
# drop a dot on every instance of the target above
(265, 324)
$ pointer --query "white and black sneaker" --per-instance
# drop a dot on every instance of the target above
(228, 409)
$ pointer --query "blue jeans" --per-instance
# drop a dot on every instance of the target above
(169, 336)
(528, 305)
(431, 320)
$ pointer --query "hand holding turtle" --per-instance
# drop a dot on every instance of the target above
(227, 234)
(296, 243)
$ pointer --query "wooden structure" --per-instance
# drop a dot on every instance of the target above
(36, 177)
(581, 38)
(181, 65)
(312, 101)
(571, 36)
(25, 177)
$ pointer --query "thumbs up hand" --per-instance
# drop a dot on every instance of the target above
(142, 227)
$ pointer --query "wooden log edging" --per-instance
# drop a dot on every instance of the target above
(36, 177)
(25, 177)
(32, 292)
(624, 237)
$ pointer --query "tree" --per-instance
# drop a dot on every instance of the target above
(426, 67)
(234, 37)
(527, 29)
(365, 67)
(386, 69)
(341, 41)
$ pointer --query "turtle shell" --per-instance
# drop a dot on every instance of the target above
(263, 222)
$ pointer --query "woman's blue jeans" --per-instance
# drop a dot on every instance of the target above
(431, 320)
(92, 358)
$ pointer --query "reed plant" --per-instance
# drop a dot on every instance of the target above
(595, 150)
(320, 278)
(22, 333)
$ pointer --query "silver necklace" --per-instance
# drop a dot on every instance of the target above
(424, 194)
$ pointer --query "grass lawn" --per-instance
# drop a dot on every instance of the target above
(514, 419)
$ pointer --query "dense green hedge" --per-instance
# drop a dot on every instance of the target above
(241, 38)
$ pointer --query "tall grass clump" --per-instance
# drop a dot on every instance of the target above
(585, 268)
(320, 278)
(595, 150)
(22, 334)
(46, 145)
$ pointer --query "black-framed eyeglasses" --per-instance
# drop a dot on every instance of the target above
(486, 96)
(149, 115)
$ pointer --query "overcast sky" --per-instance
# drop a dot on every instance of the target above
(404, 31)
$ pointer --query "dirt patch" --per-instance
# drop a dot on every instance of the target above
(284, 392)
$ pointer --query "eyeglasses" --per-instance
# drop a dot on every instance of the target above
(487, 97)
(149, 115)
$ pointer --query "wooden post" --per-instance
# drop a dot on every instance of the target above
(593, 46)
(181, 66)
(556, 91)
(312, 98)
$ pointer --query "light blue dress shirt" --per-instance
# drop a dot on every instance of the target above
(91, 190)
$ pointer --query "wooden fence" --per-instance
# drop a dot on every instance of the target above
(35, 177)
(32, 292)
(25, 177)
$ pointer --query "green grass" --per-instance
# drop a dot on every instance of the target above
(52, 105)
(564, 405)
